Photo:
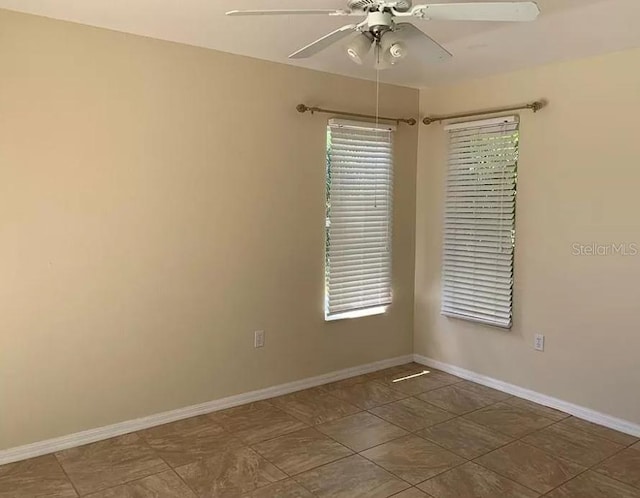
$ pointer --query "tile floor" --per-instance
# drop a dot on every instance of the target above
(374, 436)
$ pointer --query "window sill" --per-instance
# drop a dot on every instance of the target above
(378, 310)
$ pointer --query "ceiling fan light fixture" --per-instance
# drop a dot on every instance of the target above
(359, 47)
(398, 51)
(392, 47)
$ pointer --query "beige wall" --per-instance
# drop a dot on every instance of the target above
(578, 182)
(158, 203)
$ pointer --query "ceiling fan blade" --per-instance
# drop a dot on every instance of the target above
(483, 11)
(288, 12)
(322, 43)
(422, 45)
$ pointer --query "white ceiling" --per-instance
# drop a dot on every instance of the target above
(566, 29)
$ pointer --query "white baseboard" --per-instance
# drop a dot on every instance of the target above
(109, 431)
(575, 410)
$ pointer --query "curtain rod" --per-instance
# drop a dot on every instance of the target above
(534, 106)
(303, 108)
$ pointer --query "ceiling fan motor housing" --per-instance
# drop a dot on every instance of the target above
(379, 21)
(379, 5)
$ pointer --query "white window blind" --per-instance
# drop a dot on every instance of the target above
(479, 224)
(358, 218)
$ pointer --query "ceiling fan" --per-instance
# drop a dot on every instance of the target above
(389, 38)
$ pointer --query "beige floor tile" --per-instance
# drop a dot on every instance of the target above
(351, 381)
(257, 422)
(594, 485)
(240, 410)
(579, 446)
(508, 419)
(598, 430)
(530, 466)
(164, 485)
(351, 477)
(411, 493)
(412, 458)
(443, 376)
(367, 394)
(302, 450)
(465, 438)
(188, 440)
(545, 411)
(40, 476)
(315, 407)
(361, 431)
(282, 489)
(487, 392)
(625, 467)
(411, 414)
(456, 400)
(412, 384)
(230, 473)
(473, 481)
(105, 464)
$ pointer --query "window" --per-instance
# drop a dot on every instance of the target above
(479, 221)
(358, 219)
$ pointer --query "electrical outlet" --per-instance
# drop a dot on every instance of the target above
(538, 342)
(258, 339)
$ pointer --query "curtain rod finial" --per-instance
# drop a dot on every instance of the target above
(538, 104)
(302, 108)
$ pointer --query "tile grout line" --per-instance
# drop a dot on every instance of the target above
(144, 439)
(356, 453)
(566, 482)
(381, 444)
(171, 467)
(291, 476)
(184, 482)
(593, 468)
(386, 470)
(303, 486)
(125, 483)
(55, 456)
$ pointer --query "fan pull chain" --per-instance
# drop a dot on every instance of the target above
(377, 49)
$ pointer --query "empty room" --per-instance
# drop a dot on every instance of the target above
(319, 248)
